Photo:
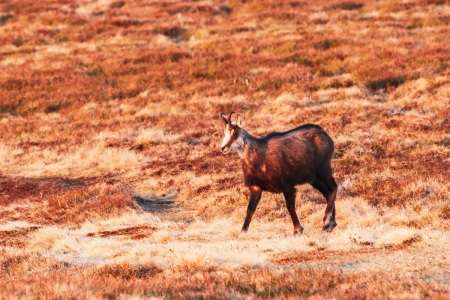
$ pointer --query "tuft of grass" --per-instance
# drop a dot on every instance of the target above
(126, 272)
(347, 5)
(445, 212)
(300, 60)
(175, 33)
(385, 83)
(95, 202)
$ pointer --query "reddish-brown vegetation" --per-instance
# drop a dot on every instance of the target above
(106, 102)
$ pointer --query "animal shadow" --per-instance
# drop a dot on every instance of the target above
(156, 203)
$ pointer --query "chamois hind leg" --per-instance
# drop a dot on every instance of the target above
(289, 196)
(328, 187)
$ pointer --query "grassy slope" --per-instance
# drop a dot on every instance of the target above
(104, 100)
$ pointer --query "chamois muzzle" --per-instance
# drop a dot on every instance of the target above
(225, 149)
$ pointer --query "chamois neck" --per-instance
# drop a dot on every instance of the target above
(247, 137)
(249, 144)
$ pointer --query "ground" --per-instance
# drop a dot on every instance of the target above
(112, 183)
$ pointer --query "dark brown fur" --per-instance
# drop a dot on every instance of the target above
(279, 161)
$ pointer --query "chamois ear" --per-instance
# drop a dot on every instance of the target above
(224, 119)
(240, 121)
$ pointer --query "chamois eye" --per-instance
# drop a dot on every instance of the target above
(235, 133)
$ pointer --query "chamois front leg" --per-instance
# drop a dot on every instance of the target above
(255, 196)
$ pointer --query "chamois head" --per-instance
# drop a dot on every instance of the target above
(232, 133)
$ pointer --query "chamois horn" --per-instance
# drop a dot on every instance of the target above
(222, 116)
(229, 117)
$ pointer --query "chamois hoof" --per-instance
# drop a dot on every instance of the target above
(298, 231)
(330, 226)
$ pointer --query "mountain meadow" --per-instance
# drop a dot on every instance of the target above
(113, 185)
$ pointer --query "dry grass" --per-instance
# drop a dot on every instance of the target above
(112, 185)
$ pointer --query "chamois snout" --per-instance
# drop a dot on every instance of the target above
(225, 149)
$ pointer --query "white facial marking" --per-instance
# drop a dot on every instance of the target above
(226, 138)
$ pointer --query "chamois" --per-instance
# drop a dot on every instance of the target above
(279, 161)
